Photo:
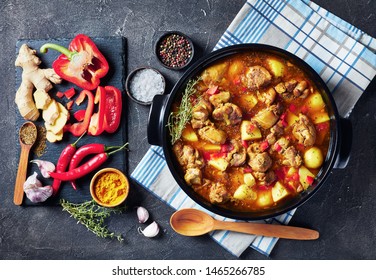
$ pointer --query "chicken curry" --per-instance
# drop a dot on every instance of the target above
(257, 134)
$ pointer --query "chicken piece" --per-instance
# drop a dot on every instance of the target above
(187, 155)
(280, 88)
(257, 77)
(275, 132)
(267, 117)
(301, 89)
(267, 177)
(200, 113)
(267, 96)
(220, 98)
(290, 85)
(292, 89)
(193, 176)
(304, 131)
(259, 161)
(237, 156)
(291, 157)
(212, 134)
(218, 193)
(229, 113)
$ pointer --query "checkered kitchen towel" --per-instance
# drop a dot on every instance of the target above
(342, 54)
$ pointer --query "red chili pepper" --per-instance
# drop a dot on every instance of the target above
(63, 163)
(113, 109)
(79, 128)
(81, 64)
(84, 169)
(86, 150)
(96, 125)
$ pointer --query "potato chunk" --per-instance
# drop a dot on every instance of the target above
(313, 158)
(219, 163)
(279, 191)
(305, 177)
(245, 192)
(276, 67)
(249, 131)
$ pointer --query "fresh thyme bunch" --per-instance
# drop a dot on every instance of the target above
(92, 216)
(178, 120)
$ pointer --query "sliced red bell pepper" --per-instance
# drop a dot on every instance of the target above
(114, 106)
(81, 64)
(78, 128)
(96, 125)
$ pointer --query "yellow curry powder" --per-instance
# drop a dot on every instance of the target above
(110, 188)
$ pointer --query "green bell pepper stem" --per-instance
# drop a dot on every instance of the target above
(63, 50)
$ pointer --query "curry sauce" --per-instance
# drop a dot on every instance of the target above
(258, 133)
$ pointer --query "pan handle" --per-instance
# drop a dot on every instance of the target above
(155, 121)
(345, 144)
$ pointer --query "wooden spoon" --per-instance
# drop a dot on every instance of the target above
(27, 137)
(193, 222)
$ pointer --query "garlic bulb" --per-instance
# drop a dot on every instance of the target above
(151, 230)
(35, 191)
(142, 214)
(45, 167)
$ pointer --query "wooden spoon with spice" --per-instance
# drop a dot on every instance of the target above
(27, 136)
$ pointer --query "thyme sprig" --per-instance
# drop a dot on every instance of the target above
(178, 120)
(92, 216)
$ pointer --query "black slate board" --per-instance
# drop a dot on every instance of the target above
(113, 48)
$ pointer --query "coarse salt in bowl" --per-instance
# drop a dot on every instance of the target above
(143, 84)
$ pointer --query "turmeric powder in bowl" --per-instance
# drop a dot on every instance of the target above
(109, 187)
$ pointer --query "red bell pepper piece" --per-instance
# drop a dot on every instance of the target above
(114, 106)
(70, 93)
(213, 90)
(81, 64)
(78, 128)
(79, 115)
(96, 125)
(70, 105)
(60, 94)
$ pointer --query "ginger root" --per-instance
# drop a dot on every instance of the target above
(32, 76)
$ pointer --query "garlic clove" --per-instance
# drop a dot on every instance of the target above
(38, 194)
(44, 166)
(150, 231)
(32, 181)
(34, 189)
(142, 214)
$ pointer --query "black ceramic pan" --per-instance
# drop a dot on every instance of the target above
(340, 131)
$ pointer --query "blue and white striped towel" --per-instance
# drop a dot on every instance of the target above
(342, 54)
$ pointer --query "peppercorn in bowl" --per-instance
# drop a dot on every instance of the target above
(174, 50)
(109, 187)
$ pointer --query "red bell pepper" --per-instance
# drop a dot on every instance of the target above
(114, 106)
(96, 125)
(81, 64)
(78, 128)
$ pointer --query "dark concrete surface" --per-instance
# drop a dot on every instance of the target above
(343, 210)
